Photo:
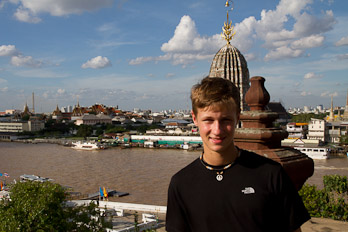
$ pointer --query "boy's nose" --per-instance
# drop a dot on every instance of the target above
(216, 127)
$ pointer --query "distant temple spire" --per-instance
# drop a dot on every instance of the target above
(229, 63)
(345, 114)
(332, 116)
(26, 108)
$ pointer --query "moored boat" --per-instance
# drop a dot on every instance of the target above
(315, 152)
(89, 146)
(26, 177)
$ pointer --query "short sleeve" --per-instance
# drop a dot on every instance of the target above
(294, 211)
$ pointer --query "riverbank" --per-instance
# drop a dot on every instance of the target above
(144, 173)
(109, 143)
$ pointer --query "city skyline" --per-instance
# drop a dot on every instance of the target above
(148, 54)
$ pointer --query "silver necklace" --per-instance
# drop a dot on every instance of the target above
(219, 171)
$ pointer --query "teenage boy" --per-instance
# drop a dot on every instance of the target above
(229, 189)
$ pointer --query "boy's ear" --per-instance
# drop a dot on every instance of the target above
(194, 117)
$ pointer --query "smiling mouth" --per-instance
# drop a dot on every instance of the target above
(216, 140)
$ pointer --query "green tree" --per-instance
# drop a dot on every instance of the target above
(26, 117)
(306, 117)
(115, 129)
(143, 128)
(84, 131)
(330, 202)
(344, 139)
(36, 206)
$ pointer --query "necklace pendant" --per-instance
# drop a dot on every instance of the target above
(219, 177)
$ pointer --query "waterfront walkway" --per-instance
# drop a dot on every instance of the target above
(313, 225)
(324, 225)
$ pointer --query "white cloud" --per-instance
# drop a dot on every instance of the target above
(304, 93)
(334, 94)
(343, 56)
(308, 42)
(307, 24)
(39, 73)
(27, 61)
(8, 50)
(245, 30)
(25, 15)
(141, 60)
(187, 45)
(306, 33)
(28, 10)
(283, 43)
(283, 53)
(5, 89)
(287, 31)
(170, 75)
(61, 91)
(18, 59)
(312, 75)
(46, 94)
(328, 1)
(342, 42)
(186, 39)
(250, 56)
(2, 81)
(97, 63)
(327, 93)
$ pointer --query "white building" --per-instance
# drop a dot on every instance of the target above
(306, 109)
(317, 130)
(14, 127)
(34, 124)
(12, 111)
(20, 126)
(320, 108)
(297, 130)
(91, 119)
(336, 130)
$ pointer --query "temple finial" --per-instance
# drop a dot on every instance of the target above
(227, 30)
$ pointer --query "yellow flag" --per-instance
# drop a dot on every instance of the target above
(105, 193)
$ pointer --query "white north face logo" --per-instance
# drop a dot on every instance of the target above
(248, 190)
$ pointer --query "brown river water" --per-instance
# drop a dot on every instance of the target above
(144, 173)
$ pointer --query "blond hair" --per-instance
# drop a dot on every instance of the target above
(214, 90)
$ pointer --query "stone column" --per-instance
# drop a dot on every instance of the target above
(258, 135)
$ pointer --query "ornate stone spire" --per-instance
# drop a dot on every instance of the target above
(259, 135)
(229, 63)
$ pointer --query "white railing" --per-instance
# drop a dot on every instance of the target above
(149, 221)
(124, 206)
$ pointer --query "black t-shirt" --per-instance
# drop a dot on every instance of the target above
(255, 195)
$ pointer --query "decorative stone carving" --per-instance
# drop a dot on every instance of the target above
(258, 135)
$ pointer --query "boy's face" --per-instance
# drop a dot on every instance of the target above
(216, 125)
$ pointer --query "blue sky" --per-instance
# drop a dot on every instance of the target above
(148, 54)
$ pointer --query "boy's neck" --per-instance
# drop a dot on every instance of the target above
(221, 158)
